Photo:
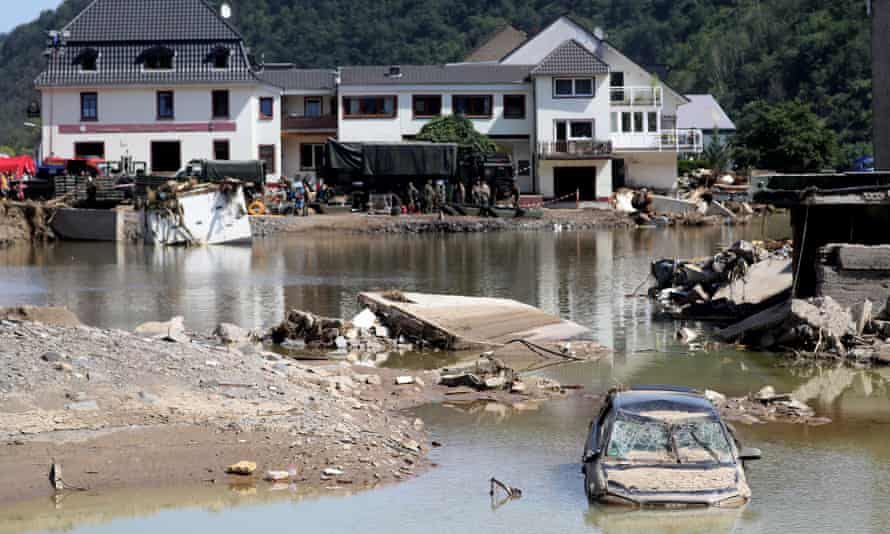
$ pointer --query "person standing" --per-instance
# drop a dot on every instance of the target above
(460, 193)
(485, 193)
(515, 194)
(429, 197)
(413, 198)
(4, 186)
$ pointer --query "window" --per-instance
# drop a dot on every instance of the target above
(427, 105)
(311, 156)
(89, 150)
(653, 121)
(614, 122)
(88, 60)
(267, 108)
(221, 150)
(369, 107)
(166, 156)
(312, 106)
(573, 87)
(267, 156)
(472, 105)
(638, 121)
(89, 106)
(581, 130)
(157, 58)
(626, 122)
(514, 106)
(165, 105)
(219, 56)
(616, 81)
(220, 104)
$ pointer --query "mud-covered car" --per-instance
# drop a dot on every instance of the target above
(664, 446)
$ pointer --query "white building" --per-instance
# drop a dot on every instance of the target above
(177, 89)
(575, 114)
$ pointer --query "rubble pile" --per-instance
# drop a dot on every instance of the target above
(732, 283)
(818, 327)
(765, 406)
(363, 336)
(491, 374)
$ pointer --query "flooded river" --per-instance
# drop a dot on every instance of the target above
(833, 478)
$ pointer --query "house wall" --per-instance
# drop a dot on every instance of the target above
(551, 108)
(134, 111)
(654, 170)
(404, 124)
(291, 147)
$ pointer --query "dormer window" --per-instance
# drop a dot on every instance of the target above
(219, 57)
(157, 58)
(88, 59)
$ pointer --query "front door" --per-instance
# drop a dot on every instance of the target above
(166, 156)
(89, 150)
(619, 174)
(569, 180)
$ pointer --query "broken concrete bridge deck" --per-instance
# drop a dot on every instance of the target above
(468, 323)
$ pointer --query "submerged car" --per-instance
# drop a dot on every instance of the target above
(664, 446)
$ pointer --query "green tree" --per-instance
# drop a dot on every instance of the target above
(717, 156)
(786, 136)
(456, 129)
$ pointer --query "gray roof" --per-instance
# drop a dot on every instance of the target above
(288, 77)
(117, 65)
(149, 20)
(571, 58)
(497, 45)
(435, 75)
(703, 112)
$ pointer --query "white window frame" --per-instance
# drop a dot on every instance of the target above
(314, 166)
(575, 93)
(569, 122)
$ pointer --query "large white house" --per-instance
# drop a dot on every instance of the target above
(574, 113)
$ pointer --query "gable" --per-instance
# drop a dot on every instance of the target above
(571, 58)
(497, 45)
(536, 49)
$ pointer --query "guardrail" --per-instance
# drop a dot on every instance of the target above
(676, 140)
(579, 149)
(636, 96)
(300, 123)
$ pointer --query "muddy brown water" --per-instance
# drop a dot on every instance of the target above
(833, 478)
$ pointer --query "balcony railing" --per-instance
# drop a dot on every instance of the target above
(591, 149)
(636, 96)
(676, 140)
(291, 123)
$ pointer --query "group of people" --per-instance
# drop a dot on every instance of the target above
(8, 191)
(436, 195)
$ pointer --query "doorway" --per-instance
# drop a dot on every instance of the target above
(567, 180)
(89, 150)
(166, 156)
(619, 174)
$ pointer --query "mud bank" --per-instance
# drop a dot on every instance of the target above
(22, 222)
(423, 224)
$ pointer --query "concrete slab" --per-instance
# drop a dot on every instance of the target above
(465, 323)
(763, 281)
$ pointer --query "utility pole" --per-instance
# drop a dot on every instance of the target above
(880, 80)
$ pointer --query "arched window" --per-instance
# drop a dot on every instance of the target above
(157, 58)
(88, 59)
(219, 57)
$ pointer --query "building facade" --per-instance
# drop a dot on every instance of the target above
(576, 115)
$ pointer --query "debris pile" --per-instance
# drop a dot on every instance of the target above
(765, 406)
(696, 204)
(491, 374)
(363, 335)
(731, 284)
(818, 327)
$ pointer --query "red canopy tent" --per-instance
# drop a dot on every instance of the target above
(18, 165)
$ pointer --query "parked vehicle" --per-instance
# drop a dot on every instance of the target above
(664, 446)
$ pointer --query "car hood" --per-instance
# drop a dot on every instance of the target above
(675, 483)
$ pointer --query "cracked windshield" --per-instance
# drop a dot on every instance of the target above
(521, 267)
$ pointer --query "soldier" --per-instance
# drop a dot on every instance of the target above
(460, 193)
(440, 195)
(515, 194)
(429, 197)
(485, 193)
(413, 197)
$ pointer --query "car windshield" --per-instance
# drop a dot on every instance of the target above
(669, 438)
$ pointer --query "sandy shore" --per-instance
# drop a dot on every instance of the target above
(121, 411)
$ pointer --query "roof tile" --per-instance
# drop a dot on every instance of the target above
(571, 58)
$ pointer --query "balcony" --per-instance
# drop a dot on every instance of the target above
(677, 140)
(567, 150)
(298, 124)
(636, 96)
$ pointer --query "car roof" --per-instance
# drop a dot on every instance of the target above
(660, 399)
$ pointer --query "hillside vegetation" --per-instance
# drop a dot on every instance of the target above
(741, 51)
